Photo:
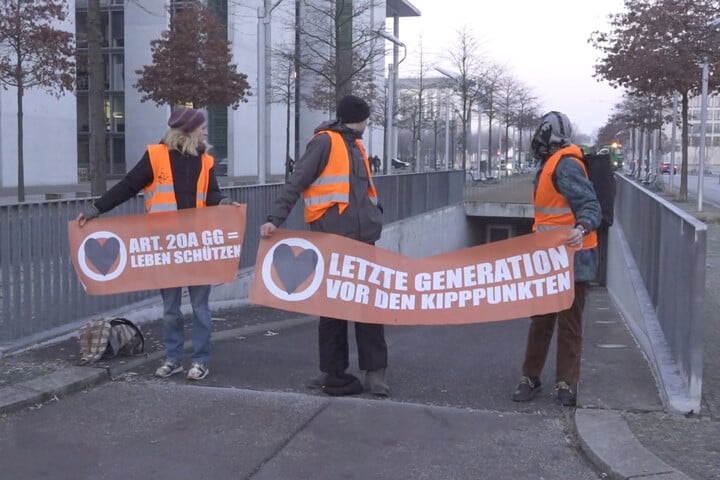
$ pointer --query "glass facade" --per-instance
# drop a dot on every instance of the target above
(112, 23)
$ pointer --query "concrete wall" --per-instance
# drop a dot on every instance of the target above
(627, 289)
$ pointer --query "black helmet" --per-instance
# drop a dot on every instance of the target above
(554, 132)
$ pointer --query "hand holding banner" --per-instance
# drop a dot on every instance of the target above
(333, 276)
(196, 246)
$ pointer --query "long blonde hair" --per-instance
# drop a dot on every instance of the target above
(176, 139)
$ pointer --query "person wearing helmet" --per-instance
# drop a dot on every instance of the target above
(563, 197)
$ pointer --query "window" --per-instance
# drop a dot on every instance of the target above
(217, 130)
(117, 28)
(117, 72)
(104, 28)
(81, 29)
(83, 115)
(117, 165)
(117, 119)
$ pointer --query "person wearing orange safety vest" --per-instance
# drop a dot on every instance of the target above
(564, 198)
(335, 181)
(174, 175)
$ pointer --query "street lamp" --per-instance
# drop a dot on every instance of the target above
(454, 78)
(392, 93)
(703, 129)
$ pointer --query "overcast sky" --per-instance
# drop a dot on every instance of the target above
(544, 43)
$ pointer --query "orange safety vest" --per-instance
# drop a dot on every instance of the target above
(333, 185)
(551, 208)
(160, 194)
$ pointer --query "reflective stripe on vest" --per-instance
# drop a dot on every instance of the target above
(551, 209)
(160, 194)
(333, 185)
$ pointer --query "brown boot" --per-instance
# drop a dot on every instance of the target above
(375, 383)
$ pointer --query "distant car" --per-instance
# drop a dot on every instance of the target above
(399, 164)
(665, 169)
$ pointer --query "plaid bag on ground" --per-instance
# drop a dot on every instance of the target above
(109, 338)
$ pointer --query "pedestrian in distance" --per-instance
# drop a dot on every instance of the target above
(175, 174)
(335, 181)
(376, 163)
(563, 197)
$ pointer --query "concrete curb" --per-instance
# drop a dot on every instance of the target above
(74, 378)
(610, 445)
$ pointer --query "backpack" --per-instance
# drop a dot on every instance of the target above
(602, 175)
(108, 338)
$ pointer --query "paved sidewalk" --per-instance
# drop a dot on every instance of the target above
(692, 444)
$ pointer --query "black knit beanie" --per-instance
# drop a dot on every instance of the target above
(352, 109)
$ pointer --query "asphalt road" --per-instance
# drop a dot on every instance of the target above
(450, 417)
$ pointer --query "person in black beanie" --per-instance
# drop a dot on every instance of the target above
(352, 211)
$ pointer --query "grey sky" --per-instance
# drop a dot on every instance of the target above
(545, 45)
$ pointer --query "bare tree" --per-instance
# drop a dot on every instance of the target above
(34, 53)
(339, 46)
(192, 63)
(466, 61)
(412, 108)
(493, 78)
(507, 103)
(527, 114)
(283, 91)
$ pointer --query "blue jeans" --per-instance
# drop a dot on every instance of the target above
(173, 322)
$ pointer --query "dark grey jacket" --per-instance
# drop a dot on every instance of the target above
(361, 220)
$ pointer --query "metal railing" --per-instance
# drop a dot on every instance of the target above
(669, 249)
(40, 294)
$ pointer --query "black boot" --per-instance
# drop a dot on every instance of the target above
(527, 389)
(375, 383)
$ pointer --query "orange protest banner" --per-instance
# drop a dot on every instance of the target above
(323, 274)
(195, 246)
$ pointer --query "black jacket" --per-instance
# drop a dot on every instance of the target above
(185, 172)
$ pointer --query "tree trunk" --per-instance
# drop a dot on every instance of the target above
(20, 141)
(96, 99)
(521, 160)
(507, 141)
(343, 48)
(464, 142)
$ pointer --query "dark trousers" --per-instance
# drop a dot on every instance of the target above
(569, 340)
(333, 345)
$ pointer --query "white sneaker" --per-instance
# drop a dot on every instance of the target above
(168, 368)
(198, 371)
